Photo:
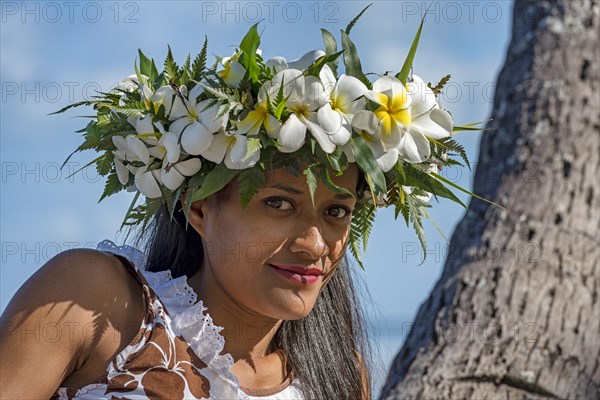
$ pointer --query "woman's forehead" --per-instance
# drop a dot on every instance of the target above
(283, 176)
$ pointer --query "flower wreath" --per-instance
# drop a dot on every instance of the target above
(193, 128)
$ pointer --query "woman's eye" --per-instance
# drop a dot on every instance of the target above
(279, 204)
(338, 212)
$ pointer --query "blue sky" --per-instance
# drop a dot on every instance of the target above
(54, 53)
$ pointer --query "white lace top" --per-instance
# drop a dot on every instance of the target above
(177, 352)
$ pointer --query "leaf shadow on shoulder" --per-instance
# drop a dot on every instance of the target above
(83, 306)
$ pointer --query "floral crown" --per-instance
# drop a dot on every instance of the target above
(193, 128)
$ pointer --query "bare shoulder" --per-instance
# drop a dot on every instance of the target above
(66, 313)
(73, 281)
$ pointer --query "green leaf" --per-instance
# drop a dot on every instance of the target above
(402, 207)
(434, 224)
(437, 89)
(252, 145)
(311, 181)
(279, 98)
(454, 185)
(171, 67)
(408, 63)
(92, 137)
(417, 178)
(330, 48)
(450, 144)
(112, 186)
(199, 65)
(335, 159)
(471, 127)
(352, 60)
(415, 210)
(318, 65)
(129, 210)
(355, 20)
(104, 165)
(147, 67)
(366, 160)
(214, 181)
(186, 70)
(361, 226)
(249, 46)
(326, 179)
(279, 110)
(250, 181)
(95, 160)
(79, 104)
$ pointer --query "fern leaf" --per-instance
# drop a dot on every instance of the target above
(437, 89)
(250, 181)
(311, 181)
(453, 145)
(199, 65)
(171, 67)
(112, 186)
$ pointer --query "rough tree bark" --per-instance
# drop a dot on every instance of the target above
(515, 313)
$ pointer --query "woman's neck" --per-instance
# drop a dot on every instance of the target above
(247, 334)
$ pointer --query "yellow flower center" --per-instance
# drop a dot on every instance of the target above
(301, 111)
(395, 110)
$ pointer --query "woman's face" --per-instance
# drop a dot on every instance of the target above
(274, 256)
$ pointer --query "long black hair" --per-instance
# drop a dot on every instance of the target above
(328, 350)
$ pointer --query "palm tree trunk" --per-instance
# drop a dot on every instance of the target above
(515, 313)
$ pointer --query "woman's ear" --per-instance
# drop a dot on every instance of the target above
(196, 215)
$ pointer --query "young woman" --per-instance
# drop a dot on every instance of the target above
(273, 274)
(257, 175)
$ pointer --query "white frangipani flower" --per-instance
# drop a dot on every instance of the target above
(128, 84)
(308, 59)
(260, 116)
(172, 175)
(305, 95)
(166, 146)
(143, 126)
(426, 114)
(122, 171)
(233, 72)
(407, 116)
(131, 148)
(233, 148)
(167, 149)
(164, 95)
(344, 99)
(393, 112)
(365, 123)
(195, 124)
(147, 182)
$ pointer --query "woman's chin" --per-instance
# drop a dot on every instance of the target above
(292, 309)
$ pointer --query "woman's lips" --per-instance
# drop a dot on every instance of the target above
(297, 274)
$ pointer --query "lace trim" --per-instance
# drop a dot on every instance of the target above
(131, 253)
(189, 317)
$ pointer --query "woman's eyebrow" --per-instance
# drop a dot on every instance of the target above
(293, 190)
(344, 196)
(286, 188)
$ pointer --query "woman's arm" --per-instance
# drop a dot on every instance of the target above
(60, 318)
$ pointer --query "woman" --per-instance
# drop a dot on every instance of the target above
(260, 271)
(257, 177)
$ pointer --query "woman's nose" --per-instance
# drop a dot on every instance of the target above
(311, 243)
